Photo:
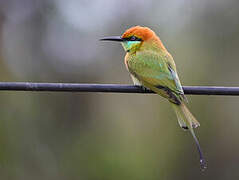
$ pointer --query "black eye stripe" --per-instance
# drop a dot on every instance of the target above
(132, 38)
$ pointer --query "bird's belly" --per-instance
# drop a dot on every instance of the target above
(136, 81)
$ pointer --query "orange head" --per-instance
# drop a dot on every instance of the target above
(135, 37)
(142, 33)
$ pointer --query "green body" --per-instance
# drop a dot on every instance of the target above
(155, 69)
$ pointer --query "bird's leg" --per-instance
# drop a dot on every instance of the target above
(144, 88)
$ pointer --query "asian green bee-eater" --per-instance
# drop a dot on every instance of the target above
(151, 66)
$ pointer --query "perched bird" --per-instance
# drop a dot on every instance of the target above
(153, 67)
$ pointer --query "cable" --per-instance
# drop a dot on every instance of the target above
(110, 88)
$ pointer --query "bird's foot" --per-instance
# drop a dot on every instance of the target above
(144, 88)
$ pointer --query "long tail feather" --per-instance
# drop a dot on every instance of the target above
(203, 162)
(188, 121)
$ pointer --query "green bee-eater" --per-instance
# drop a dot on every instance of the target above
(151, 66)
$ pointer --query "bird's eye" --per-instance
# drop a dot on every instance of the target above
(133, 38)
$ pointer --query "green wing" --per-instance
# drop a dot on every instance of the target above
(155, 69)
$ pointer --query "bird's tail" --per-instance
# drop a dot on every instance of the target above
(188, 121)
(185, 117)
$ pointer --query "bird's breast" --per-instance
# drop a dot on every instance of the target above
(126, 60)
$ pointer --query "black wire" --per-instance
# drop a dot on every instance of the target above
(110, 88)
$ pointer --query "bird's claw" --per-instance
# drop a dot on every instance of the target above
(144, 88)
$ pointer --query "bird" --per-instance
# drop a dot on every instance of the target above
(152, 67)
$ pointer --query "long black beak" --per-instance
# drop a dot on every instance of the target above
(112, 38)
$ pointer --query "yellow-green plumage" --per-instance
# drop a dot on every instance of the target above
(152, 70)
(152, 66)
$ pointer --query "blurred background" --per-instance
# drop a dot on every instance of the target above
(93, 136)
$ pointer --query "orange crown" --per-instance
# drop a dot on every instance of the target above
(143, 33)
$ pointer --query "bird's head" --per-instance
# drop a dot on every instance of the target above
(133, 38)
